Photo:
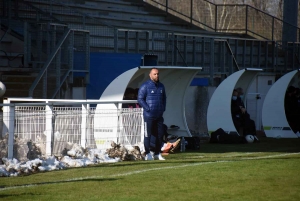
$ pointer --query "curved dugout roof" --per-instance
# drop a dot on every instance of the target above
(219, 108)
(273, 111)
(175, 79)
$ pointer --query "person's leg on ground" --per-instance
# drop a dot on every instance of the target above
(159, 139)
(148, 127)
(153, 135)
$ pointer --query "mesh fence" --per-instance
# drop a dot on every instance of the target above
(226, 18)
(94, 128)
(30, 122)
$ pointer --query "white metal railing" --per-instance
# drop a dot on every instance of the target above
(59, 122)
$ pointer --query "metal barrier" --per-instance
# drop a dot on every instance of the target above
(59, 123)
(178, 49)
(230, 18)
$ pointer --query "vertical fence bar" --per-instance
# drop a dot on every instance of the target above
(11, 126)
(244, 53)
(173, 49)
(222, 57)
(84, 116)
(185, 48)
(212, 61)
(246, 18)
(58, 71)
(251, 53)
(216, 18)
(87, 58)
(137, 42)
(266, 54)
(259, 54)
(126, 38)
(194, 51)
(167, 7)
(166, 48)
(203, 52)
(49, 129)
(119, 111)
(191, 12)
(5, 118)
(26, 45)
(71, 56)
(273, 22)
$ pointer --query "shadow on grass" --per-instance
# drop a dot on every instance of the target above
(264, 145)
(21, 194)
(58, 182)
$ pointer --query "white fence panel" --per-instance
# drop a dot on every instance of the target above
(60, 126)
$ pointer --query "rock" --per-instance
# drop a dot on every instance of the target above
(3, 147)
(40, 143)
(33, 151)
(119, 151)
(136, 153)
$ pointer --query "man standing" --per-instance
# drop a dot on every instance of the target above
(152, 98)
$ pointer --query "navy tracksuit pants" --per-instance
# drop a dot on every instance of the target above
(153, 134)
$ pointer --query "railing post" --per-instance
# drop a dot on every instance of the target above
(273, 22)
(216, 18)
(87, 58)
(173, 48)
(48, 130)
(71, 56)
(191, 12)
(119, 114)
(84, 121)
(222, 57)
(246, 23)
(194, 51)
(58, 72)
(212, 62)
(115, 40)
(11, 126)
(26, 45)
(5, 118)
(166, 48)
(167, 6)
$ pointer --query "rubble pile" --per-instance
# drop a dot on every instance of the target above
(30, 157)
(119, 151)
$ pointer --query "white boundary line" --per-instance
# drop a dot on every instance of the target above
(147, 170)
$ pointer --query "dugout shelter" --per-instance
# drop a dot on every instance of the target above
(175, 79)
(219, 108)
(274, 119)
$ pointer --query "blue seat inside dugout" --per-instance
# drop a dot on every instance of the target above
(176, 81)
(273, 112)
(219, 108)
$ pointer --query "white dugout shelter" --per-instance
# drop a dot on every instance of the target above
(273, 112)
(219, 108)
(175, 79)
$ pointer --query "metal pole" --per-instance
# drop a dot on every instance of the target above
(216, 18)
(167, 6)
(212, 61)
(49, 132)
(191, 17)
(11, 126)
(246, 23)
(84, 117)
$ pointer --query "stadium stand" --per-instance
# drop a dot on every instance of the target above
(39, 38)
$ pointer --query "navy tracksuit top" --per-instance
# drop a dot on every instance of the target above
(152, 97)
